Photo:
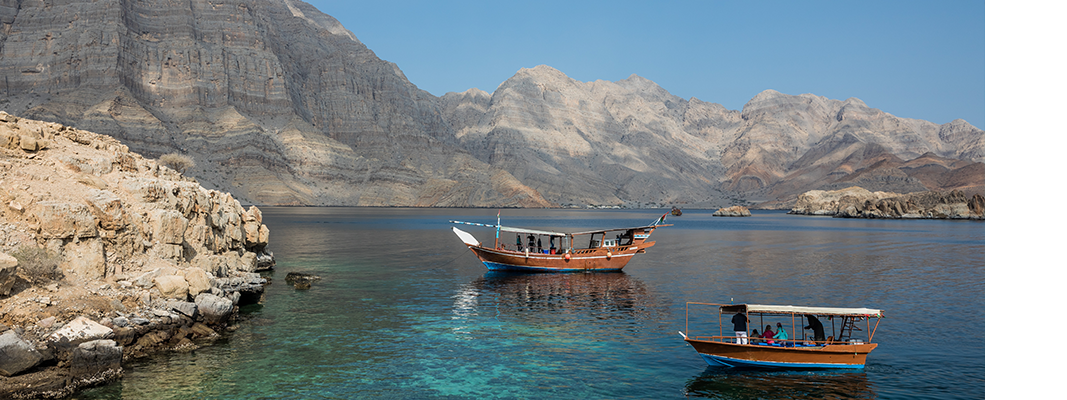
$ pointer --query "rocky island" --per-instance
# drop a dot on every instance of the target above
(857, 202)
(106, 256)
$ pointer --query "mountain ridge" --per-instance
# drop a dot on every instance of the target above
(281, 104)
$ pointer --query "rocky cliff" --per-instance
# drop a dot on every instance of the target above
(856, 202)
(275, 101)
(107, 255)
(280, 104)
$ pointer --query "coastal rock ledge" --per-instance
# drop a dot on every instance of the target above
(857, 202)
(106, 256)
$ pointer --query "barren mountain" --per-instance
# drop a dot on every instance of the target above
(276, 101)
(614, 142)
(280, 104)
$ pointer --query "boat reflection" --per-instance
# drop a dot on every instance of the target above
(731, 383)
(604, 295)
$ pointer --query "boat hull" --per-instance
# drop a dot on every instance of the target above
(766, 356)
(602, 259)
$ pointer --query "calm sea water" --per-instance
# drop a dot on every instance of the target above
(404, 310)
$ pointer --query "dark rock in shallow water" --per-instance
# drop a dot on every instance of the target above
(98, 360)
(300, 280)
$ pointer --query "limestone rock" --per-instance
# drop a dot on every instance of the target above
(16, 355)
(213, 308)
(185, 308)
(172, 287)
(8, 266)
(733, 211)
(85, 259)
(80, 330)
(98, 359)
(199, 281)
(857, 202)
(59, 220)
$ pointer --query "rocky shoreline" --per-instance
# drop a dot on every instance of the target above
(107, 256)
(857, 202)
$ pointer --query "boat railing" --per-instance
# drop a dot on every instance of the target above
(759, 341)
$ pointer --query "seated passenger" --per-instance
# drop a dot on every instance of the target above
(781, 334)
(755, 334)
(768, 333)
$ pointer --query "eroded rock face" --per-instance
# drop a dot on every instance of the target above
(857, 202)
(276, 101)
(136, 241)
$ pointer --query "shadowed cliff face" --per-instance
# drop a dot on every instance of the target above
(280, 104)
(276, 101)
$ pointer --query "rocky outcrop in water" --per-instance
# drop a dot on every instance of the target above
(856, 202)
(732, 211)
(106, 255)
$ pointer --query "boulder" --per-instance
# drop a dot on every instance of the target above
(8, 267)
(185, 308)
(93, 358)
(199, 281)
(81, 330)
(16, 355)
(214, 309)
(172, 287)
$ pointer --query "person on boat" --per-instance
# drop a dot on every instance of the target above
(755, 336)
(816, 327)
(531, 239)
(518, 242)
(740, 328)
(539, 250)
(768, 333)
(781, 334)
(551, 245)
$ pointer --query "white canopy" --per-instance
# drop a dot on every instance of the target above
(548, 233)
(512, 229)
(769, 309)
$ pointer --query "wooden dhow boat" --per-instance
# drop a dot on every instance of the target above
(606, 249)
(846, 350)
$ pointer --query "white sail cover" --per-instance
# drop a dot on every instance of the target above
(770, 309)
(466, 237)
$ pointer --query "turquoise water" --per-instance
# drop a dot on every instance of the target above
(404, 310)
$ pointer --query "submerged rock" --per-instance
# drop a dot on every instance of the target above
(300, 280)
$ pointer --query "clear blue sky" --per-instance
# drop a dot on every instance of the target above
(912, 59)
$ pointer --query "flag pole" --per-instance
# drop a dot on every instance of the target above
(496, 243)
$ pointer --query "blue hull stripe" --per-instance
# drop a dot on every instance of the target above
(494, 266)
(717, 361)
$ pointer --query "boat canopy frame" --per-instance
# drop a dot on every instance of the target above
(849, 316)
(569, 236)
